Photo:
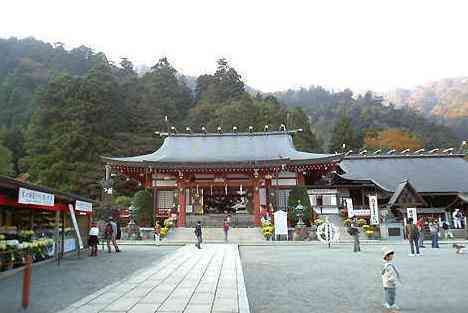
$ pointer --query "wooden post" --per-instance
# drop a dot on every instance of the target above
(181, 191)
(62, 244)
(57, 236)
(27, 281)
(256, 201)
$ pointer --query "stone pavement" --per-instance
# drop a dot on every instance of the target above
(189, 281)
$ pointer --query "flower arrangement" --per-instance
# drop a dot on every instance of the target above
(347, 222)
(164, 232)
(368, 230)
(267, 229)
(318, 222)
(168, 223)
(361, 222)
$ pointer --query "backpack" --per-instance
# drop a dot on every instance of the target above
(108, 230)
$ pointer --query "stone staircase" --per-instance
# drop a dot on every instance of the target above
(216, 234)
(217, 220)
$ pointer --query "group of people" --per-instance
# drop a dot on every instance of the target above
(199, 234)
(110, 236)
(415, 234)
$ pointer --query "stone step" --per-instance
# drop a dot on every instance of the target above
(216, 234)
(217, 220)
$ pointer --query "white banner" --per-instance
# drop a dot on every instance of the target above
(349, 206)
(374, 210)
(281, 222)
(412, 213)
(27, 196)
(75, 225)
(83, 206)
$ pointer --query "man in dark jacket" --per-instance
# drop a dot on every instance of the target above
(412, 234)
(198, 234)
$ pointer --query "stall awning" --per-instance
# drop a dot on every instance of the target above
(14, 203)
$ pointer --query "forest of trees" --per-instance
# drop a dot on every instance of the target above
(61, 110)
(327, 110)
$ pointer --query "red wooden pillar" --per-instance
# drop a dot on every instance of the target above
(300, 180)
(256, 201)
(182, 205)
(155, 204)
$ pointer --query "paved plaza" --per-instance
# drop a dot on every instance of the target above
(56, 287)
(321, 280)
(189, 281)
(278, 279)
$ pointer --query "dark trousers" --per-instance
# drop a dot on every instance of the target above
(199, 241)
(357, 246)
(435, 240)
(413, 244)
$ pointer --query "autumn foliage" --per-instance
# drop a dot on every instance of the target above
(392, 138)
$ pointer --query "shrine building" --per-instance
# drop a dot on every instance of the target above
(202, 175)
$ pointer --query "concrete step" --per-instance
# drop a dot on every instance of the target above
(216, 234)
(217, 220)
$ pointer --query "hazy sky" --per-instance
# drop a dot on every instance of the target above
(375, 44)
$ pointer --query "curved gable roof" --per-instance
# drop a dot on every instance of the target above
(201, 149)
(427, 173)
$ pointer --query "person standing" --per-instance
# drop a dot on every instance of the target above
(198, 234)
(434, 229)
(420, 226)
(355, 233)
(226, 229)
(390, 278)
(411, 233)
(111, 234)
(93, 240)
(157, 233)
(457, 218)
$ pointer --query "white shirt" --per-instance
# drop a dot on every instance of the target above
(94, 231)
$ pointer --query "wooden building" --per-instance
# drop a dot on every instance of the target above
(209, 174)
(432, 183)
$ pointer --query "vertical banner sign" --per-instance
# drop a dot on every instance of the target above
(75, 225)
(411, 213)
(349, 206)
(374, 210)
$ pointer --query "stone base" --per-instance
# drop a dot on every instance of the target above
(299, 233)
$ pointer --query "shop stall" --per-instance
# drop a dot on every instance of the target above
(39, 221)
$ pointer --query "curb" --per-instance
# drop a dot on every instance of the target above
(276, 243)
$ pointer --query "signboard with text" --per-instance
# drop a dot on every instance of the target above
(281, 222)
(27, 196)
(412, 213)
(83, 206)
(349, 206)
(374, 210)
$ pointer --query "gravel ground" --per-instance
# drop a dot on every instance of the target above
(321, 280)
(55, 287)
